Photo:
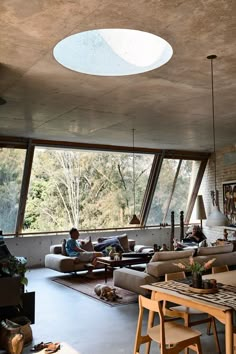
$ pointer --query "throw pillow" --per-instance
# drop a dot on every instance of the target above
(124, 242)
(87, 246)
(63, 248)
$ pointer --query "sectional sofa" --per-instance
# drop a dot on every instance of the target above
(58, 260)
(166, 262)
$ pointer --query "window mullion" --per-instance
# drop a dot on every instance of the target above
(172, 191)
(24, 188)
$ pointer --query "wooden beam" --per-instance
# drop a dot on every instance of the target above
(195, 190)
(151, 187)
(172, 154)
(24, 188)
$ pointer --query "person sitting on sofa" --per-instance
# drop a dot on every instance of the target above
(196, 235)
(73, 248)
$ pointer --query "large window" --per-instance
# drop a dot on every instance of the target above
(11, 171)
(84, 189)
(173, 190)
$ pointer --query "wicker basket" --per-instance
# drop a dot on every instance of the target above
(23, 325)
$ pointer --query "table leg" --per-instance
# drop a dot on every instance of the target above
(229, 347)
(105, 273)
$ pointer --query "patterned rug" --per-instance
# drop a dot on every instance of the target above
(85, 284)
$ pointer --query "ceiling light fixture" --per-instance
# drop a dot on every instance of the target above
(216, 218)
(135, 220)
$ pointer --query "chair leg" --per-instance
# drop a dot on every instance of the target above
(186, 323)
(215, 335)
(198, 346)
(209, 326)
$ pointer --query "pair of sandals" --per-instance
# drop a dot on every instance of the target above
(49, 347)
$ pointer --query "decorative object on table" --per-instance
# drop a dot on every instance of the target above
(216, 218)
(200, 209)
(106, 292)
(229, 200)
(135, 220)
(112, 252)
(196, 269)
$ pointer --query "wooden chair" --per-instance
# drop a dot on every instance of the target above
(220, 269)
(187, 313)
(171, 336)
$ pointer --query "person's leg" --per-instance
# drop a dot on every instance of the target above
(88, 257)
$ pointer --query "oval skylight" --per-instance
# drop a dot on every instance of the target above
(113, 52)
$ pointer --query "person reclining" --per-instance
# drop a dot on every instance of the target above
(195, 236)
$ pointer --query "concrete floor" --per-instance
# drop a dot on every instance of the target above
(89, 326)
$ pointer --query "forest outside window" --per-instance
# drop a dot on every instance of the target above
(87, 189)
(11, 173)
(173, 190)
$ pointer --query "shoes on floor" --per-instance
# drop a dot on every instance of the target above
(49, 347)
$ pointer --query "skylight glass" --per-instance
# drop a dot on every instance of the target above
(113, 52)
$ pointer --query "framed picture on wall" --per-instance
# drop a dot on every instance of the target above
(229, 200)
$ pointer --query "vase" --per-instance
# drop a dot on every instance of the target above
(196, 280)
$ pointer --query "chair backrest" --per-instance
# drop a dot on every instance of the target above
(175, 276)
(153, 306)
(220, 269)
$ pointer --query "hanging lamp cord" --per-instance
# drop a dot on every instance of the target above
(133, 173)
(212, 57)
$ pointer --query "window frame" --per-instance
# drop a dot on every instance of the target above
(159, 155)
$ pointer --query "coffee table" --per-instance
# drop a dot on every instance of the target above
(124, 262)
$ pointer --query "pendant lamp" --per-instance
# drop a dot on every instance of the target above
(135, 220)
(216, 218)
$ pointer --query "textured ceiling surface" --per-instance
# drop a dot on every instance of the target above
(169, 107)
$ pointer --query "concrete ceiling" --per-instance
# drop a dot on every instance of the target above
(169, 107)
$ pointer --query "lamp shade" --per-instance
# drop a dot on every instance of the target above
(216, 218)
(200, 208)
(135, 220)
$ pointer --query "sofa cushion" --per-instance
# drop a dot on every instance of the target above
(87, 246)
(203, 251)
(171, 255)
(160, 268)
(63, 248)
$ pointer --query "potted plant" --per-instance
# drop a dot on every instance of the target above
(13, 266)
(196, 269)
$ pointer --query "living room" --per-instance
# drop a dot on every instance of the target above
(152, 129)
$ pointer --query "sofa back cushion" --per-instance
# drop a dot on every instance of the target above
(204, 251)
(87, 245)
(171, 255)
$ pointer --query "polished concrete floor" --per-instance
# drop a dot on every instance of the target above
(89, 326)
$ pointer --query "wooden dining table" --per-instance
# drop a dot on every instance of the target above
(220, 305)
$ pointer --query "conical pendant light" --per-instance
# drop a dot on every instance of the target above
(135, 220)
(216, 218)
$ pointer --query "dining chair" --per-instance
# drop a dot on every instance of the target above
(220, 269)
(171, 337)
(187, 313)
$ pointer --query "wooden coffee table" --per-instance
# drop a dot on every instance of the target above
(124, 262)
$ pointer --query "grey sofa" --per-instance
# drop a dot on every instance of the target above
(166, 262)
(59, 261)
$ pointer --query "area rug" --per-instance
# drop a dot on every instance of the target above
(85, 284)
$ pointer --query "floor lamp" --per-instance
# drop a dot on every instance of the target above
(200, 209)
